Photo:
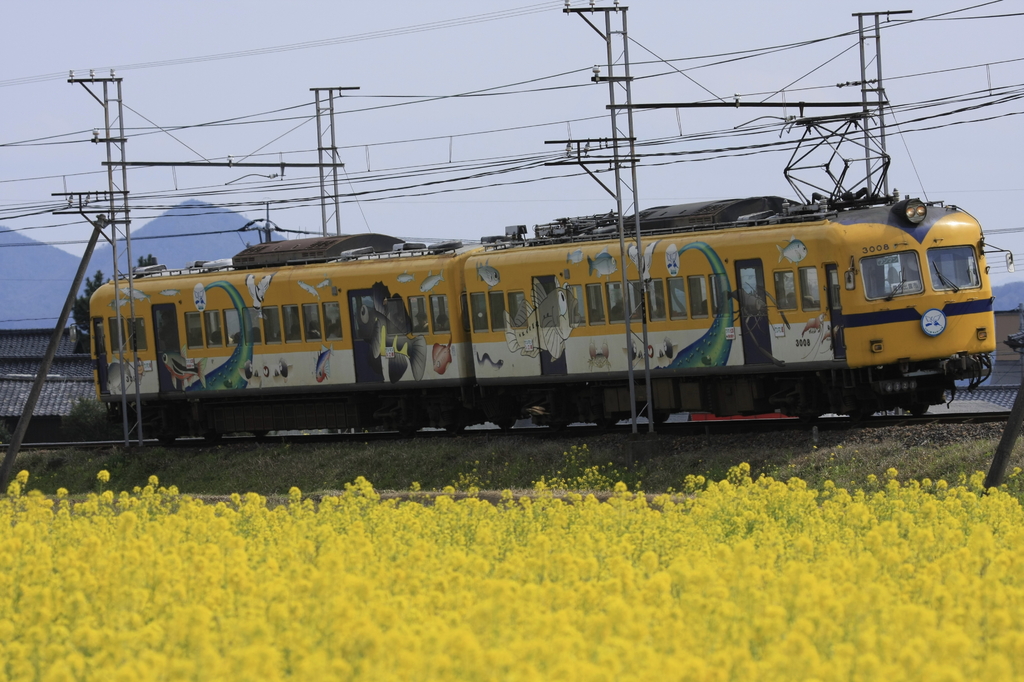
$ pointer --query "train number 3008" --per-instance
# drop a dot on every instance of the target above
(803, 342)
(875, 249)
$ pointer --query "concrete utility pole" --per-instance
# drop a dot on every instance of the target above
(113, 116)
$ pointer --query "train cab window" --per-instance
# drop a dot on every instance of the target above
(577, 316)
(332, 319)
(810, 296)
(615, 312)
(656, 300)
(478, 311)
(595, 304)
(785, 290)
(891, 275)
(464, 307)
(292, 325)
(194, 330)
(418, 315)
(231, 327)
(311, 322)
(516, 299)
(214, 333)
(497, 301)
(271, 324)
(953, 268)
(676, 298)
(720, 293)
(252, 318)
(439, 313)
(698, 295)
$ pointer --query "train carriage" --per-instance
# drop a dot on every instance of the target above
(751, 305)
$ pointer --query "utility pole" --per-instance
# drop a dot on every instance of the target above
(619, 83)
(117, 193)
(879, 90)
(325, 108)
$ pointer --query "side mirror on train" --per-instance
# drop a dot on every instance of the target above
(851, 283)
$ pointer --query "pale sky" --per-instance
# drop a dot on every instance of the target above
(404, 127)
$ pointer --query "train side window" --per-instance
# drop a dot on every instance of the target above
(615, 312)
(478, 309)
(595, 304)
(418, 313)
(99, 336)
(116, 336)
(272, 324)
(676, 298)
(497, 301)
(635, 297)
(516, 299)
(214, 334)
(252, 318)
(810, 296)
(332, 320)
(439, 313)
(398, 316)
(464, 307)
(785, 290)
(698, 295)
(137, 334)
(577, 316)
(292, 325)
(311, 321)
(231, 327)
(656, 300)
(194, 330)
(719, 293)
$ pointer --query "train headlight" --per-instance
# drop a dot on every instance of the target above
(912, 210)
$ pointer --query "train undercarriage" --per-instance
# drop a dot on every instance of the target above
(859, 392)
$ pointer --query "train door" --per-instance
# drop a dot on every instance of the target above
(100, 344)
(757, 336)
(549, 317)
(368, 364)
(835, 311)
(168, 345)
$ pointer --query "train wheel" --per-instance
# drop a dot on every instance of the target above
(918, 409)
(504, 423)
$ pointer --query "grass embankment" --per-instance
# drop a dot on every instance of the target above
(494, 462)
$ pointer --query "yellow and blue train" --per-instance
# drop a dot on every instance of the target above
(751, 306)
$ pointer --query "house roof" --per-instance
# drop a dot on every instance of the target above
(70, 376)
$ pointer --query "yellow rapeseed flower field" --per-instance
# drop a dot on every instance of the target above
(740, 580)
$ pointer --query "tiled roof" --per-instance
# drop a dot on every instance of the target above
(61, 367)
(55, 400)
(31, 343)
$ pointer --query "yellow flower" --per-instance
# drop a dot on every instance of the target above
(103, 476)
(22, 477)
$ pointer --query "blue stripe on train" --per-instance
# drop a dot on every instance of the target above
(911, 315)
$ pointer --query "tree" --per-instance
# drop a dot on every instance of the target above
(147, 260)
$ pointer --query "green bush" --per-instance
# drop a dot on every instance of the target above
(5, 433)
(88, 421)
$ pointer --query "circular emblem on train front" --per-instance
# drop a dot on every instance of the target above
(933, 322)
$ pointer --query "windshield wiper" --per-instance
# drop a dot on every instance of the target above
(945, 280)
(898, 288)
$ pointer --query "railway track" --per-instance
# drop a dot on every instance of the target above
(709, 427)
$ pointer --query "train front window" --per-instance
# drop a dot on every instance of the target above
(891, 275)
(953, 268)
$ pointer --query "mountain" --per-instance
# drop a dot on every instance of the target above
(1008, 296)
(190, 231)
(35, 279)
